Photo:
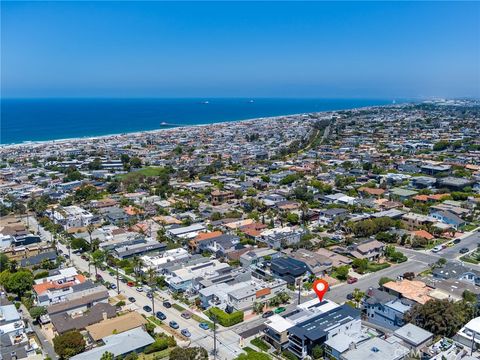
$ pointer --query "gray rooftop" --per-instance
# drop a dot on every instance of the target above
(413, 334)
(118, 344)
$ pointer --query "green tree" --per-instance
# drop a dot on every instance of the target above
(4, 262)
(69, 344)
(18, 283)
(78, 243)
(317, 352)
(107, 356)
(98, 257)
(441, 317)
(293, 218)
(440, 145)
(37, 311)
(342, 272)
(258, 307)
(360, 265)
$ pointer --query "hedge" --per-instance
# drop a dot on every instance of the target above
(158, 345)
(223, 318)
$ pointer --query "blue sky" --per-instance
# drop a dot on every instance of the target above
(249, 49)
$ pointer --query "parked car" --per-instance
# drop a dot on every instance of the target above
(132, 299)
(130, 283)
(113, 286)
(186, 315)
(149, 295)
(267, 314)
(204, 326)
(167, 304)
(464, 250)
(350, 296)
(111, 273)
(147, 308)
(173, 324)
(123, 280)
(279, 310)
(437, 248)
(457, 241)
(160, 315)
(352, 280)
(99, 277)
(186, 333)
(139, 289)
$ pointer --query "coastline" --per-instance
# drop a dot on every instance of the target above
(173, 128)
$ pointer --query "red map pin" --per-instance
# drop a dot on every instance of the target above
(320, 287)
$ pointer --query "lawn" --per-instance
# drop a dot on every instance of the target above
(155, 320)
(148, 171)
(163, 354)
(178, 307)
(373, 267)
(259, 343)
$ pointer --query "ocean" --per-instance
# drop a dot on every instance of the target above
(24, 120)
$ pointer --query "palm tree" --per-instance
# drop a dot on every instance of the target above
(151, 273)
(136, 263)
(97, 259)
(90, 229)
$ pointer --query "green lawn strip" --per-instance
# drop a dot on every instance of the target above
(163, 354)
(154, 320)
(178, 307)
(259, 343)
(202, 320)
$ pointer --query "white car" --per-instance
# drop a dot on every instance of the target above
(437, 248)
(139, 289)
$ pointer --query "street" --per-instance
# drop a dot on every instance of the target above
(227, 340)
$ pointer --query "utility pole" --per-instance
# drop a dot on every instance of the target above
(118, 283)
(214, 319)
(299, 291)
(153, 301)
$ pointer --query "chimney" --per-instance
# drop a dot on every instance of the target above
(104, 315)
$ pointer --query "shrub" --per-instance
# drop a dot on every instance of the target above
(289, 355)
(159, 345)
(223, 318)
(384, 280)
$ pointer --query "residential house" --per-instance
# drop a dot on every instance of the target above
(219, 197)
(304, 336)
(317, 264)
(448, 218)
(414, 337)
(289, 269)
(277, 238)
(13, 336)
(470, 334)
(120, 345)
(371, 250)
(376, 349)
(384, 309)
(457, 271)
(64, 321)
